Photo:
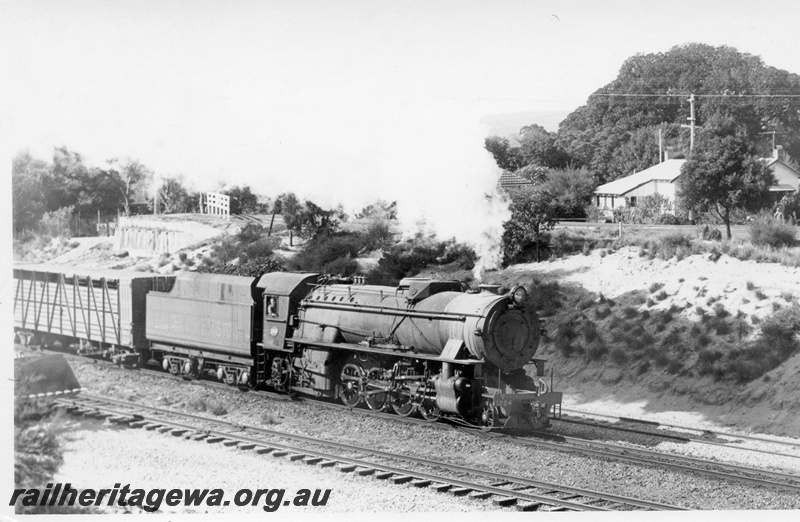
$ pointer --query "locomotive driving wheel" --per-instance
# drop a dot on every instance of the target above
(402, 401)
(350, 385)
(375, 394)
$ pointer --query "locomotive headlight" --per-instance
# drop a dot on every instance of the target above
(518, 295)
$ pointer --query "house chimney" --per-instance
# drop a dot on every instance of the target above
(777, 153)
(666, 155)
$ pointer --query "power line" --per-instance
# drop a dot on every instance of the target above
(643, 95)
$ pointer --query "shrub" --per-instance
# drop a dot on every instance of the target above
(708, 233)
(545, 297)
(589, 331)
(263, 247)
(674, 366)
(720, 311)
(669, 219)
(619, 356)
(378, 234)
(250, 233)
(655, 287)
(343, 266)
(776, 343)
(629, 312)
(325, 249)
(760, 295)
(771, 232)
(602, 312)
(596, 351)
(660, 358)
(750, 285)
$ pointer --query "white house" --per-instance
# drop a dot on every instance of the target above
(623, 192)
(661, 179)
(787, 179)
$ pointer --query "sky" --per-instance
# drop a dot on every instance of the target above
(342, 102)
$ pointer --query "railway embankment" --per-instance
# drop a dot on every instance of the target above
(701, 339)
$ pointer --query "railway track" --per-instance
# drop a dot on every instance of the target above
(502, 490)
(575, 445)
(655, 426)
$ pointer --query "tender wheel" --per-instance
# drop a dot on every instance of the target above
(375, 394)
(350, 385)
(402, 401)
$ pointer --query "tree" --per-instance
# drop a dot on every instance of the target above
(65, 180)
(243, 201)
(507, 157)
(173, 198)
(27, 198)
(724, 173)
(380, 209)
(537, 146)
(603, 135)
(533, 212)
(572, 190)
(131, 179)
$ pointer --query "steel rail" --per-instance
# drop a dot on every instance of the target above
(678, 462)
(687, 428)
(491, 489)
(678, 437)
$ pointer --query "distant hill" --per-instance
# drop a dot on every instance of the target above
(509, 124)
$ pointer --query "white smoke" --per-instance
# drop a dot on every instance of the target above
(429, 157)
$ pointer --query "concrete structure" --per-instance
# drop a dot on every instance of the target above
(163, 237)
(215, 204)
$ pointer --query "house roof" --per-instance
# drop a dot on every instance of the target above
(510, 179)
(668, 170)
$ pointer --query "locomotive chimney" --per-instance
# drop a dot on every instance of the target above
(489, 288)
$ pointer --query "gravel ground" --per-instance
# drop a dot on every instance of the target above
(442, 443)
(694, 421)
(99, 455)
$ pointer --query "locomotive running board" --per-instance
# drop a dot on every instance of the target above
(378, 351)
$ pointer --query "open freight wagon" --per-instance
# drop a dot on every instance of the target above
(100, 311)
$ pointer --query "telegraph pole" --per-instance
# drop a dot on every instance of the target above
(691, 122)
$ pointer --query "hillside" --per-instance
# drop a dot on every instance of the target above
(649, 336)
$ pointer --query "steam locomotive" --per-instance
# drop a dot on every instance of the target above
(426, 347)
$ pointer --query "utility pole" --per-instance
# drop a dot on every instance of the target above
(691, 122)
(773, 132)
